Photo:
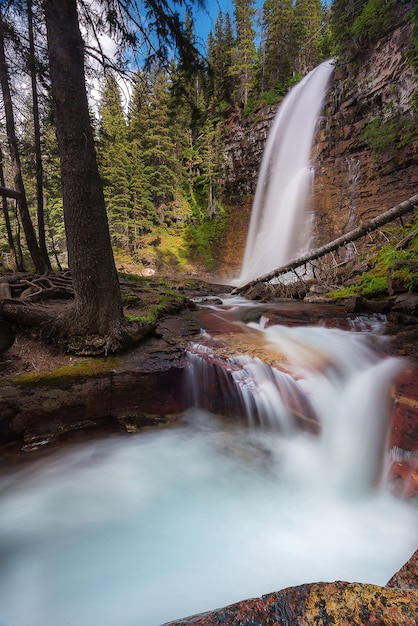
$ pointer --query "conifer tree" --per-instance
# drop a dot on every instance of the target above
(115, 164)
(308, 14)
(279, 50)
(220, 49)
(143, 209)
(244, 56)
(343, 16)
(154, 144)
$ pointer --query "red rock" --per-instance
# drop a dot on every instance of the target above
(403, 440)
(322, 604)
(407, 577)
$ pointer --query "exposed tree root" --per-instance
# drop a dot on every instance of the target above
(45, 302)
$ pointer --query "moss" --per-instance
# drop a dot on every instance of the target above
(390, 133)
(408, 276)
(344, 293)
(203, 240)
(374, 283)
(68, 374)
(129, 299)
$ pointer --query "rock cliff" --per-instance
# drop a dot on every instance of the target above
(355, 181)
(356, 178)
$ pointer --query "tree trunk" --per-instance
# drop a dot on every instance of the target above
(9, 232)
(38, 260)
(37, 138)
(98, 305)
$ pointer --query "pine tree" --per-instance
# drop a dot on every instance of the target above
(279, 42)
(308, 14)
(115, 164)
(154, 145)
(220, 48)
(242, 67)
(343, 16)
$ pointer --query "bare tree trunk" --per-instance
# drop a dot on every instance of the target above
(98, 304)
(7, 220)
(361, 231)
(34, 250)
(37, 138)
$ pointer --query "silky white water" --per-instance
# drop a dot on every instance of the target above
(278, 226)
(143, 530)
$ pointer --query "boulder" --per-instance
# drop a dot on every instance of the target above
(323, 604)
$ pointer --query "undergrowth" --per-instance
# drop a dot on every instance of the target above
(402, 261)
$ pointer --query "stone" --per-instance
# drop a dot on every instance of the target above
(407, 577)
(323, 604)
(406, 304)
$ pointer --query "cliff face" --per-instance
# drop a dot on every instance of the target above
(353, 180)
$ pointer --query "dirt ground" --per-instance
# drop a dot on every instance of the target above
(29, 354)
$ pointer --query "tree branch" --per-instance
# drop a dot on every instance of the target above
(357, 233)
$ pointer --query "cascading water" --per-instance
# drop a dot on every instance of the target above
(278, 228)
(140, 531)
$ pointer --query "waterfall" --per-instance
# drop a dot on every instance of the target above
(337, 385)
(277, 228)
(142, 530)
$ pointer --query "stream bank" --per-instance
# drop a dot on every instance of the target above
(49, 399)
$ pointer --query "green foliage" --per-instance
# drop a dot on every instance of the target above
(374, 283)
(412, 54)
(343, 15)
(390, 134)
(242, 68)
(129, 299)
(408, 276)
(202, 238)
(373, 19)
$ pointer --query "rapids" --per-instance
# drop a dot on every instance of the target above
(140, 530)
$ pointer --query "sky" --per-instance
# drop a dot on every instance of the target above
(205, 19)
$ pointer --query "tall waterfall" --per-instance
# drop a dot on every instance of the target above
(278, 227)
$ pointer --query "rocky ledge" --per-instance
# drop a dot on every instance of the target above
(324, 604)
(149, 387)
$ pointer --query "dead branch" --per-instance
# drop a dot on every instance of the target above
(5, 192)
(367, 227)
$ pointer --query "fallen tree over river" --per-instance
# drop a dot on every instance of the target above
(367, 227)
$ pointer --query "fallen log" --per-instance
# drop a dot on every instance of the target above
(5, 192)
(352, 235)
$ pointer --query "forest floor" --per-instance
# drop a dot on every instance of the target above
(30, 354)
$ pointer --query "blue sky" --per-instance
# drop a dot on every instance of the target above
(205, 19)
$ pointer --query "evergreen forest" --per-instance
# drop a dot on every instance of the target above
(159, 116)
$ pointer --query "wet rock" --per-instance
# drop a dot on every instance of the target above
(342, 603)
(407, 577)
(406, 304)
(358, 304)
(396, 276)
(403, 438)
